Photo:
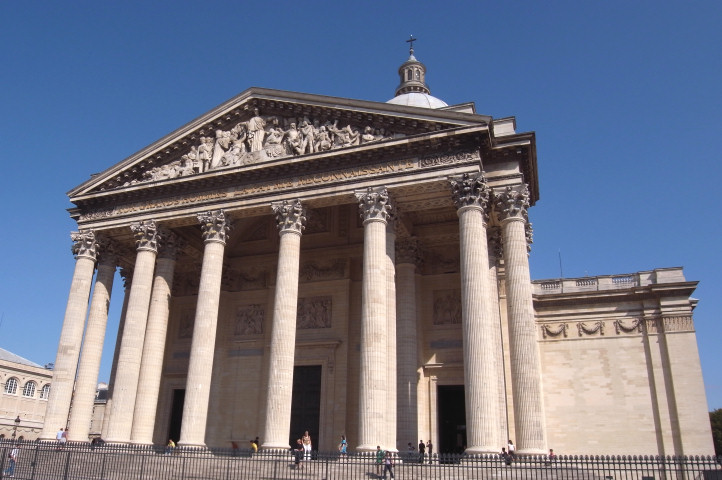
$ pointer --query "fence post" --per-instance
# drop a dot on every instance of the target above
(67, 466)
(33, 466)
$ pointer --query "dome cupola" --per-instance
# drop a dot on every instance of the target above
(412, 89)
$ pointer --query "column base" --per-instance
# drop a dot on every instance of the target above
(532, 451)
(367, 448)
(482, 450)
(275, 446)
(191, 446)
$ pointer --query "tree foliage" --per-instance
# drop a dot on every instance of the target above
(715, 418)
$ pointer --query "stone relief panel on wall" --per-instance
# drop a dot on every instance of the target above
(447, 307)
(262, 138)
(249, 320)
(323, 270)
(187, 319)
(314, 312)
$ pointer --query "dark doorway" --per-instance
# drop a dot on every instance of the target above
(176, 414)
(451, 409)
(306, 403)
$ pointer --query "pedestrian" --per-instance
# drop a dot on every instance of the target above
(512, 449)
(254, 446)
(59, 438)
(170, 446)
(343, 445)
(422, 449)
(306, 446)
(551, 457)
(505, 456)
(64, 440)
(430, 449)
(298, 454)
(13, 456)
(388, 465)
(412, 450)
(379, 459)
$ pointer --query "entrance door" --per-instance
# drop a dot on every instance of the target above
(176, 415)
(306, 403)
(451, 410)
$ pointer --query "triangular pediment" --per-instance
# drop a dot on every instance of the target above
(262, 126)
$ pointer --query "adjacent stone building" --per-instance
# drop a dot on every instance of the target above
(300, 262)
(25, 391)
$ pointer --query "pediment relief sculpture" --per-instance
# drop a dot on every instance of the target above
(259, 139)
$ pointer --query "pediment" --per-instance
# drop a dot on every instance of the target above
(262, 126)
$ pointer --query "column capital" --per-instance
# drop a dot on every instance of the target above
(529, 232)
(108, 251)
(169, 244)
(512, 203)
(470, 191)
(290, 216)
(215, 225)
(408, 250)
(374, 204)
(146, 235)
(84, 244)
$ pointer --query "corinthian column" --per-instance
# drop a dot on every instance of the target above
(391, 415)
(131, 347)
(290, 218)
(215, 227)
(479, 324)
(155, 337)
(511, 207)
(495, 255)
(66, 361)
(87, 378)
(375, 211)
(407, 258)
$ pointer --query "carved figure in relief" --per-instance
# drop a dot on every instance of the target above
(205, 153)
(274, 139)
(368, 135)
(323, 142)
(192, 158)
(221, 146)
(308, 133)
(294, 141)
(256, 131)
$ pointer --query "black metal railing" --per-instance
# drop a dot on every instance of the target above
(44, 461)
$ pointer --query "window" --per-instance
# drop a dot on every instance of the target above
(408, 74)
(11, 386)
(45, 391)
(29, 389)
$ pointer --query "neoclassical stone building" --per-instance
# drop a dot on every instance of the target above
(300, 262)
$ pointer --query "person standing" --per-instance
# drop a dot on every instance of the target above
(512, 449)
(59, 438)
(170, 446)
(343, 445)
(298, 454)
(422, 450)
(388, 465)
(430, 449)
(306, 446)
(379, 459)
(10, 471)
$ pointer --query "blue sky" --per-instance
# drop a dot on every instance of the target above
(624, 98)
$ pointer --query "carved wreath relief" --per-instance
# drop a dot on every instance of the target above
(262, 138)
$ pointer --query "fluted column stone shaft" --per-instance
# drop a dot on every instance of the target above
(71, 335)
(391, 369)
(131, 347)
(87, 378)
(215, 226)
(495, 254)
(529, 422)
(155, 338)
(127, 276)
(481, 369)
(290, 218)
(407, 340)
(373, 391)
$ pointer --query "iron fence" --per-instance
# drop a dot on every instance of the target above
(46, 461)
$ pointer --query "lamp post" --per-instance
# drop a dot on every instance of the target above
(15, 428)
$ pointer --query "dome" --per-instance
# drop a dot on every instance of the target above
(413, 91)
(416, 99)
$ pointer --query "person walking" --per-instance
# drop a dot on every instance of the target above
(379, 459)
(343, 446)
(430, 449)
(170, 446)
(388, 465)
(13, 456)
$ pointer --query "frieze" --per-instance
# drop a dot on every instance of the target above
(449, 159)
(314, 312)
(329, 270)
(549, 331)
(249, 320)
(187, 320)
(634, 326)
(447, 307)
(596, 327)
(682, 323)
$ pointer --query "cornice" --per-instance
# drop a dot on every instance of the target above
(654, 291)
